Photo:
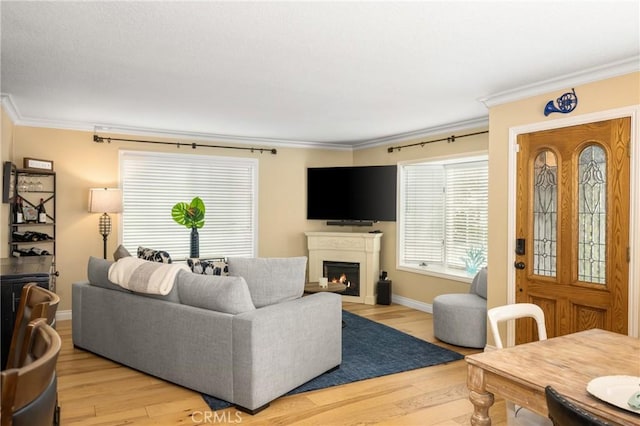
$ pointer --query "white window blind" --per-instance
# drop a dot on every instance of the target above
(466, 211)
(152, 183)
(444, 212)
(423, 233)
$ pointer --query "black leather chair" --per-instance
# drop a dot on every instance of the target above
(564, 413)
(29, 392)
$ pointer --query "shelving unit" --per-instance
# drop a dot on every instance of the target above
(32, 185)
(15, 271)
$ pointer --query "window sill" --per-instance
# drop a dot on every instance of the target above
(439, 271)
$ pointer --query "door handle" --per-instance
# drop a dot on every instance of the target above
(519, 265)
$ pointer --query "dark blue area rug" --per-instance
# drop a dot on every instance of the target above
(370, 349)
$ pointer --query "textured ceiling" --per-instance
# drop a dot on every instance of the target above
(304, 72)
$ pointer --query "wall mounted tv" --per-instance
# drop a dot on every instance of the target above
(357, 195)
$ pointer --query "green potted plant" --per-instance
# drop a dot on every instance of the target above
(190, 215)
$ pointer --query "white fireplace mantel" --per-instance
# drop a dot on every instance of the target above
(356, 247)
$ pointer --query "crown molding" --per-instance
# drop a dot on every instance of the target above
(113, 129)
(473, 123)
(613, 69)
(9, 107)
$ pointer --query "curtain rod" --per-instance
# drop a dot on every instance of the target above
(449, 139)
(193, 145)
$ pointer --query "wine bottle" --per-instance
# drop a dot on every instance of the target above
(36, 251)
(33, 251)
(18, 214)
(18, 253)
(27, 236)
(42, 213)
(19, 236)
(21, 253)
(41, 236)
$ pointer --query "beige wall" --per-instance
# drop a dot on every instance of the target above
(594, 97)
(81, 164)
(415, 286)
(6, 146)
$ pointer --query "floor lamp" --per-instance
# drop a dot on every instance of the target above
(105, 200)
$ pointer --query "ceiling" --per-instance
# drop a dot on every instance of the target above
(327, 73)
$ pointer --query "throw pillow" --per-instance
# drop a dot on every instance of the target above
(153, 255)
(222, 294)
(271, 280)
(208, 267)
(121, 252)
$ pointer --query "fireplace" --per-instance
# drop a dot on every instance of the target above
(347, 248)
(347, 273)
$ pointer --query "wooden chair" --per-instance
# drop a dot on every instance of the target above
(564, 413)
(35, 302)
(29, 392)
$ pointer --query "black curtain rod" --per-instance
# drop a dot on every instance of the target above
(450, 139)
(193, 145)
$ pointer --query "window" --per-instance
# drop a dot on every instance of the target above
(152, 183)
(443, 219)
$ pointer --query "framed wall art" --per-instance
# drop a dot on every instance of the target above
(34, 163)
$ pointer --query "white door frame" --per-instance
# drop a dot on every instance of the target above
(634, 214)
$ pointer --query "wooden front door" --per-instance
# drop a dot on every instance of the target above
(572, 226)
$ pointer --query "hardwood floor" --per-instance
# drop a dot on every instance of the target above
(96, 391)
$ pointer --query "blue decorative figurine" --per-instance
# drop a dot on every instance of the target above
(566, 103)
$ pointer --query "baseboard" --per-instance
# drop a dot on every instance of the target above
(410, 303)
(63, 315)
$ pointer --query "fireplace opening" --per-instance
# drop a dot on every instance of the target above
(347, 273)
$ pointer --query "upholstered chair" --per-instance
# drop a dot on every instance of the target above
(461, 318)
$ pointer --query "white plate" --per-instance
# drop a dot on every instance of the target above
(615, 390)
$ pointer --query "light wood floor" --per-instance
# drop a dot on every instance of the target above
(96, 391)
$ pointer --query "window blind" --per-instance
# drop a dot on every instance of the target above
(444, 212)
(152, 183)
(423, 214)
(466, 210)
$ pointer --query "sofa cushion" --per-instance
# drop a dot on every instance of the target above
(153, 255)
(98, 274)
(209, 266)
(216, 293)
(271, 280)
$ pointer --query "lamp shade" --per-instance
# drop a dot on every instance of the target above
(105, 200)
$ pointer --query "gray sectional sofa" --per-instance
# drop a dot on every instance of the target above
(246, 339)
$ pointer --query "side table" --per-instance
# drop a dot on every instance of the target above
(331, 287)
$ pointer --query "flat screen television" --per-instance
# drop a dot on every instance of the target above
(352, 194)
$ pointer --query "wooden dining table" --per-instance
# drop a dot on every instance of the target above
(568, 363)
